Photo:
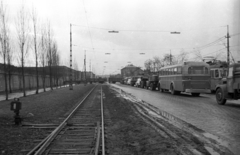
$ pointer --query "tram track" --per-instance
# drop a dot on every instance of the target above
(82, 132)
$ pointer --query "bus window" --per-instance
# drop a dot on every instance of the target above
(197, 70)
(206, 70)
(174, 70)
(170, 71)
(216, 73)
(190, 70)
(212, 73)
(179, 70)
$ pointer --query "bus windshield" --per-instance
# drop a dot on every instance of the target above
(197, 70)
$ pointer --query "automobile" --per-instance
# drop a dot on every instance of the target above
(133, 80)
(141, 82)
(125, 80)
(129, 81)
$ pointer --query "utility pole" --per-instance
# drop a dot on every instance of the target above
(228, 52)
(70, 71)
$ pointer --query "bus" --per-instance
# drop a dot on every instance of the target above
(191, 77)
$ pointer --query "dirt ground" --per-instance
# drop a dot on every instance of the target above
(126, 132)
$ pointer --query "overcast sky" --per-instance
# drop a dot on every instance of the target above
(144, 27)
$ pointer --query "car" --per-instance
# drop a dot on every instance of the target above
(141, 82)
(129, 81)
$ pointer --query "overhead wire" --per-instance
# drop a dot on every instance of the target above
(88, 26)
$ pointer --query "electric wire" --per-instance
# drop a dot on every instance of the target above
(89, 32)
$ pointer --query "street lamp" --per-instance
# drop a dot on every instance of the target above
(175, 32)
(113, 31)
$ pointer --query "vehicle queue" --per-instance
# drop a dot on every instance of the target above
(194, 78)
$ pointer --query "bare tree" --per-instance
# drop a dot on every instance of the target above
(157, 63)
(169, 59)
(182, 57)
(9, 62)
(23, 30)
(34, 19)
(55, 62)
(198, 55)
(148, 65)
(4, 41)
(43, 55)
(49, 53)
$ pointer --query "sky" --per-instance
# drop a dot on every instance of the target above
(144, 26)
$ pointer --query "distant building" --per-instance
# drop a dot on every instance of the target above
(131, 70)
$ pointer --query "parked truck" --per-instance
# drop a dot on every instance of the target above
(152, 82)
(230, 89)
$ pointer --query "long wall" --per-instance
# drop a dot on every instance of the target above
(30, 82)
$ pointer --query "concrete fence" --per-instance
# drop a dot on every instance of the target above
(16, 82)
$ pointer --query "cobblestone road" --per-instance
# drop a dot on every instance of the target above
(202, 112)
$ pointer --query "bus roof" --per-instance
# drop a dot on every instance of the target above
(186, 63)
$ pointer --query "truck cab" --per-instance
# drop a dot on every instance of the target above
(218, 77)
(152, 82)
(230, 89)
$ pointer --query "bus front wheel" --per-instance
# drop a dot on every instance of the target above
(173, 92)
(220, 97)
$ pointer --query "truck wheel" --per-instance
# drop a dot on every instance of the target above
(159, 88)
(151, 86)
(173, 92)
(195, 94)
(220, 97)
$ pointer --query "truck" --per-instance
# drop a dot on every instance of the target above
(218, 74)
(152, 82)
(231, 88)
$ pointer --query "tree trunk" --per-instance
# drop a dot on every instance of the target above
(36, 66)
(37, 78)
(9, 80)
(5, 78)
(23, 76)
(44, 87)
(51, 77)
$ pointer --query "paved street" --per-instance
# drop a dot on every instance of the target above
(202, 112)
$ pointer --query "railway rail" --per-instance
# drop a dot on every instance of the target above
(82, 132)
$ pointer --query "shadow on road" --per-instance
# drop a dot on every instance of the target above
(233, 105)
(185, 95)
